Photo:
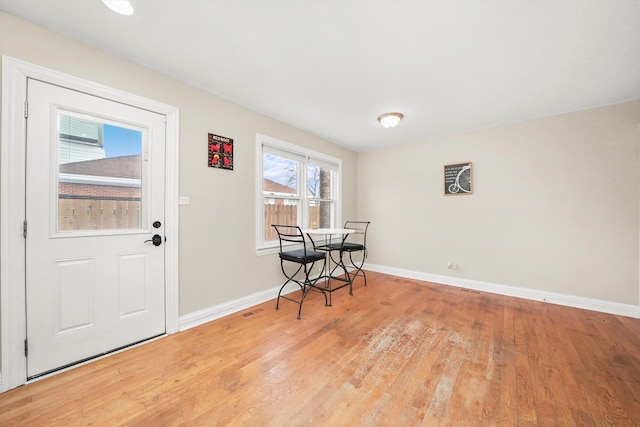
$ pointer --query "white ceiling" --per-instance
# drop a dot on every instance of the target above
(331, 67)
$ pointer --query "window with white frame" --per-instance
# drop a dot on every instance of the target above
(297, 186)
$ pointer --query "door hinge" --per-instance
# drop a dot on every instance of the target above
(26, 347)
(26, 109)
(24, 229)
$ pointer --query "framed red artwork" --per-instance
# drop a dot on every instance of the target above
(220, 152)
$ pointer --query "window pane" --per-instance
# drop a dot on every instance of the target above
(321, 214)
(295, 178)
(99, 176)
(319, 182)
(278, 211)
(279, 175)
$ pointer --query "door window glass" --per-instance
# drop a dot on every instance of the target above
(100, 169)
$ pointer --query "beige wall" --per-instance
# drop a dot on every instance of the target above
(555, 205)
(217, 230)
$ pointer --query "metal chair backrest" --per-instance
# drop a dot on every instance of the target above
(361, 230)
(290, 233)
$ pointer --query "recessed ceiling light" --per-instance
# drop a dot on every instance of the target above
(390, 120)
(122, 7)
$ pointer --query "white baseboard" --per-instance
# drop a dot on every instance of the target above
(212, 313)
(512, 291)
(203, 316)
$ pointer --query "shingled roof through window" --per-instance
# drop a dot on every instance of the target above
(119, 167)
(275, 187)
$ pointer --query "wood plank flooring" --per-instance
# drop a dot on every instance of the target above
(398, 353)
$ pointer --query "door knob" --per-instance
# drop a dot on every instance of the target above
(156, 239)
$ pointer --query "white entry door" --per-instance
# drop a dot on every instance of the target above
(94, 202)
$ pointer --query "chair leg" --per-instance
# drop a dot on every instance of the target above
(308, 285)
(346, 273)
(305, 291)
(340, 264)
(282, 287)
(327, 302)
(290, 278)
(349, 278)
(278, 299)
(280, 292)
(305, 286)
(304, 295)
(359, 270)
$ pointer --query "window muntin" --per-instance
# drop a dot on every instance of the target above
(299, 187)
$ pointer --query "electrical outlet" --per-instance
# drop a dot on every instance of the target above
(452, 265)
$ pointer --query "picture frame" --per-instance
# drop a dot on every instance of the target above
(220, 150)
(458, 179)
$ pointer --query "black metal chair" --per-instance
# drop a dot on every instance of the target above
(305, 259)
(353, 243)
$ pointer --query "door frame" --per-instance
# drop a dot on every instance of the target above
(12, 204)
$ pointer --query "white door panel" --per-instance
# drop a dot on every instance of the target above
(74, 290)
(95, 282)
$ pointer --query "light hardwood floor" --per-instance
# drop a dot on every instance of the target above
(398, 353)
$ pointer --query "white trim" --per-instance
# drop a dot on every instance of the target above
(288, 149)
(512, 291)
(276, 143)
(73, 178)
(216, 312)
(12, 214)
(172, 219)
(268, 250)
(12, 209)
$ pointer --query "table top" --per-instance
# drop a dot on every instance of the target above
(328, 231)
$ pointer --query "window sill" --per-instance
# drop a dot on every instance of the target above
(267, 250)
(274, 249)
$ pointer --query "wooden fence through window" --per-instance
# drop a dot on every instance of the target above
(286, 215)
(98, 214)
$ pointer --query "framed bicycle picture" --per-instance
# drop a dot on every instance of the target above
(457, 179)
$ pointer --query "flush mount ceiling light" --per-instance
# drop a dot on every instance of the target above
(390, 120)
(122, 7)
